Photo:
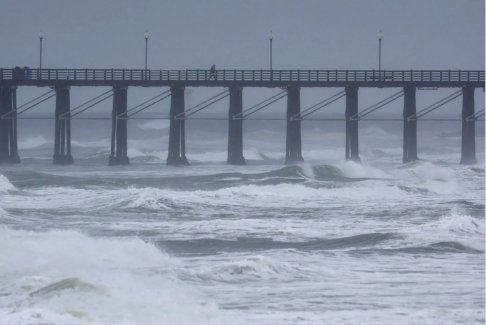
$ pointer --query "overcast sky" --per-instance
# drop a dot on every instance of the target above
(321, 34)
(308, 34)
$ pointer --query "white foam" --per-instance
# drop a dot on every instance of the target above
(426, 170)
(352, 169)
(280, 195)
(291, 195)
(307, 171)
(155, 125)
(134, 152)
(103, 143)
(33, 142)
(452, 227)
(326, 155)
(377, 133)
(146, 198)
(244, 269)
(130, 281)
(5, 185)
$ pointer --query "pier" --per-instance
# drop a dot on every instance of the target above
(60, 82)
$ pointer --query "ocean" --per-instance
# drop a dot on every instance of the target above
(323, 242)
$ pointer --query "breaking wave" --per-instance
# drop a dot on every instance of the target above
(33, 142)
(5, 185)
(65, 277)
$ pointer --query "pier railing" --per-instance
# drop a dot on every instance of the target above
(243, 75)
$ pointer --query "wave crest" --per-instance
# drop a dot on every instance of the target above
(5, 185)
(65, 277)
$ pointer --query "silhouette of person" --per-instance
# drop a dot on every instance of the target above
(212, 72)
(25, 73)
(16, 73)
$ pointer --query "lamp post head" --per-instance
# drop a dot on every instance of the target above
(41, 35)
(146, 35)
(270, 35)
(380, 35)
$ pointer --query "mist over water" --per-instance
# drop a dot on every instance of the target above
(327, 241)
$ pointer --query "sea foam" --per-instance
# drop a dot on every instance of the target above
(5, 185)
(65, 277)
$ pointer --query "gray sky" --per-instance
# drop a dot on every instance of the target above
(320, 34)
(308, 34)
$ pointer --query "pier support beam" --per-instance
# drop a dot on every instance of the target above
(409, 126)
(118, 155)
(352, 137)
(62, 128)
(8, 127)
(235, 127)
(468, 145)
(294, 139)
(177, 139)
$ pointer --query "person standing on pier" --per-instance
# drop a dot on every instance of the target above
(212, 72)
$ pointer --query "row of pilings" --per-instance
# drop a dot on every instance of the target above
(177, 151)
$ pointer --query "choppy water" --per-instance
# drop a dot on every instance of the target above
(328, 241)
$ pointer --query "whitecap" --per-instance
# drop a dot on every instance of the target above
(32, 142)
(65, 277)
(5, 185)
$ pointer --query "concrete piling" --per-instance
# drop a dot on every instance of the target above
(177, 146)
(118, 155)
(62, 127)
(294, 137)
(235, 127)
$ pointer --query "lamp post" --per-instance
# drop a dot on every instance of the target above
(380, 37)
(41, 37)
(270, 37)
(146, 47)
